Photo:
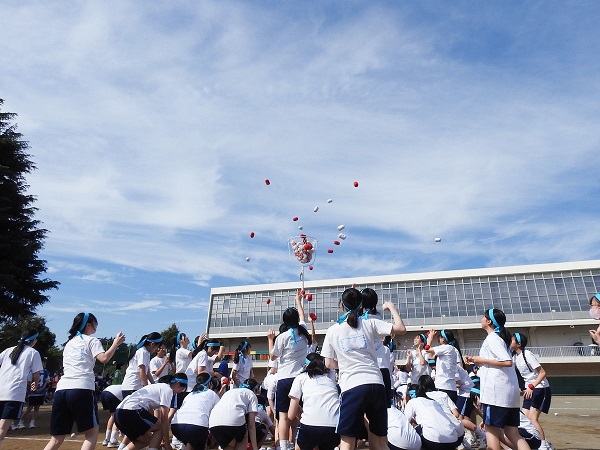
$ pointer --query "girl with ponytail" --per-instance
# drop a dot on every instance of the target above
(183, 356)
(143, 416)
(15, 364)
(75, 400)
(500, 394)
(190, 423)
(242, 369)
(447, 357)
(320, 405)
(350, 346)
(537, 394)
(137, 374)
(290, 349)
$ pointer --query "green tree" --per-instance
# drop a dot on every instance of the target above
(170, 336)
(22, 285)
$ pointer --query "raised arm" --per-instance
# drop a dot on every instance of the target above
(398, 326)
(106, 356)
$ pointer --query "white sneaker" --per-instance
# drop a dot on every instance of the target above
(105, 442)
(20, 426)
(113, 444)
(32, 425)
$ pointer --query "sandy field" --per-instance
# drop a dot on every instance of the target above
(573, 423)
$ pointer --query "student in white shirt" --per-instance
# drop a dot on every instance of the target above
(15, 364)
(350, 346)
(242, 360)
(160, 365)
(537, 395)
(439, 430)
(183, 356)
(110, 398)
(190, 423)
(417, 363)
(232, 420)
(448, 356)
(211, 351)
(75, 398)
(500, 394)
(135, 415)
(320, 406)
(289, 348)
(138, 374)
(401, 434)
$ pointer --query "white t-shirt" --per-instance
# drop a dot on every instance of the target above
(232, 408)
(417, 370)
(13, 378)
(155, 364)
(271, 386)
(529, 375)
(354, 350)
(196, 408)
(400, 431)
(445, 367)
(448, 406)
(383, 356)
(320, 400)
(436, 425)
(292, 355)
(132, 379)
(464, 381)
(149, 397)
(116, 390)
(182, 359)
(192, 371)
(79, 358)
(243, 368)
(499, 385)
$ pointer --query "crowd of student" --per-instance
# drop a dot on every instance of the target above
(348, 393)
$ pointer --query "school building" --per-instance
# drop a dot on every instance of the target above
(549, 303)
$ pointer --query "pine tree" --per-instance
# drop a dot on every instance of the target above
(21, 239)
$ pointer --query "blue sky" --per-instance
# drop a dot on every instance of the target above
(154, 125)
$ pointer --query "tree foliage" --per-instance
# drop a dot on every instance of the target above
(22, 285)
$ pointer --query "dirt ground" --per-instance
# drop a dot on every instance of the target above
(572, 424)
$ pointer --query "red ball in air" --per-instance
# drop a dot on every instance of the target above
(308, 246)
(313, 316)
(356, 184)
(295, 219)
(267, 182)
(329, 250)
(310, 267)
(427, 347)
(309, 297)
(336, 242)
(252, 234)
(268, 301)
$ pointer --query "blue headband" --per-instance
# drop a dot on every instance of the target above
(179, 340)
(30, 338)
(244, 385)
(366, 314)
(145, 340)
(518, 337)
(443, 333)
(179, 380)
(423, 337)
(342, 318)
(494, 321)
(205, 384)
(84, 322)
(242, 352)
(213, 344)
(307, 361)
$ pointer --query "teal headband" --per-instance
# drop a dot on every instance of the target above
(443, 333)
(179, 380)
(342, 318)
(84, 322)
(205, 384)
(518, 337)
(244, 385)
(30, 338)
(494, 321)
(213, 344)
(142, 343)
(179, 340)
(423, 337)
(307, 361)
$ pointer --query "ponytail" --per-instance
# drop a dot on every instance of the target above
(79, 323)
(239, 352)
(369, 302)
(451, 340)
(146, 339)
(352, 302)
(522, 341)
(291, 321)
(315, 365)
(204, 381)
(27, 337)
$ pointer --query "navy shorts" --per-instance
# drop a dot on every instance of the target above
(366, 399)
(540, 400)
(261, 432)
(177, 399)
(35, 400)
(531, 440)
(464, 406)
(282, 395)
(109, 401)
(11, 410)
(500, 417)
(224, 434)
(73, 406)
(134, 424)
(195, 435)
(309, 437)
(430, 445)
(387, 382)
